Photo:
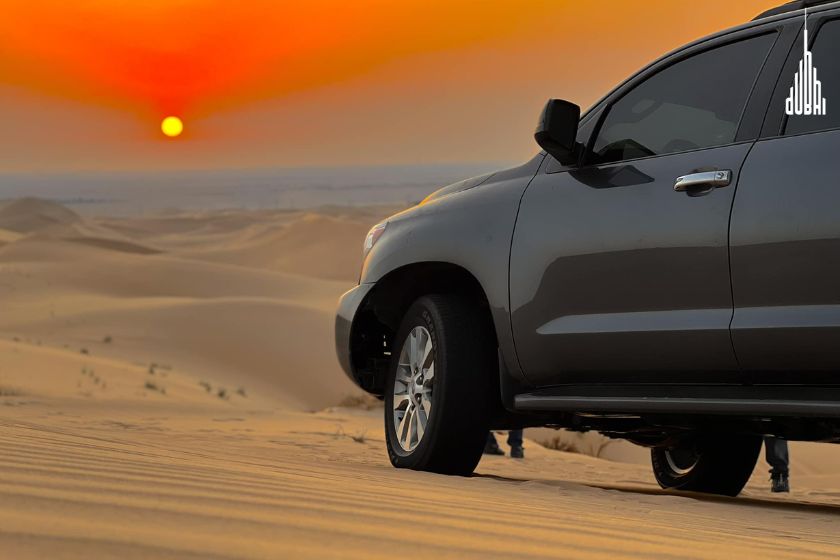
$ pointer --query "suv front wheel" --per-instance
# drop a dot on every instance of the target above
(720, 464)
(438, 387)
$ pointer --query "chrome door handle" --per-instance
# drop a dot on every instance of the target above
(703, 183)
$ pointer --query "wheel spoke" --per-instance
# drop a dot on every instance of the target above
(411, 429)
(404, 373)
(429, 376)
(402, 429)
(426, 404)
(420, 423)
(401, 402)
(412, 349)
(428, 355)
(402, 387)
(405, 356)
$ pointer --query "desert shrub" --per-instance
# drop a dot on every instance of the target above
(152, 386)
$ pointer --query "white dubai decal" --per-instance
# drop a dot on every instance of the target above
(806, 93)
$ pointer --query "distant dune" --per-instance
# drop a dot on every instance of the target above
(133, 193)
(32, 215)
(237, 297)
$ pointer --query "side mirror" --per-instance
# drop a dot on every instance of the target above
(557, 130)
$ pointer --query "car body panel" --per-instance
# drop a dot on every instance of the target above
(614, 275)
(471, 228)
(348, 306)
(785, 247)
(459, 187)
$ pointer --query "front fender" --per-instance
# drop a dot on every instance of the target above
(348, 306)
(472, 229)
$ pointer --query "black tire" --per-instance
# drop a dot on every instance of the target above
(464, 365)
(713, 464)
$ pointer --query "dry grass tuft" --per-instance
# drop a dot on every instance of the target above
(362, 401)
(152, 386)
(358, 437)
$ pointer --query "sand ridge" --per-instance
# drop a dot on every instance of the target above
(242, 483)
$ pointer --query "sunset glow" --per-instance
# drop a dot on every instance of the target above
(265, 79)
(199, 54)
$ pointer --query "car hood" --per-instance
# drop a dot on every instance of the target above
(458, 187)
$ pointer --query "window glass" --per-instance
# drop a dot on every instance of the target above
(827, 73)
(695, 103)
(586, 129)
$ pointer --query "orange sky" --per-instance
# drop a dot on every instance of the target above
(84, 84)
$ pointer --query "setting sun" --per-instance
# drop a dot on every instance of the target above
(172, 126)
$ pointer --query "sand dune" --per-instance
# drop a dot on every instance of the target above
(305, 246)
(29, 215)
(166, 385)
(40, 219)
(199, 292)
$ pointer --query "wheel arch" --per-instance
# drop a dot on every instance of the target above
(379, 316)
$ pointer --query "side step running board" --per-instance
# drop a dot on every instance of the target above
(736, 401)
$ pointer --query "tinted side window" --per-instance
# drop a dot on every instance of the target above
(695, 103)
(827, 65)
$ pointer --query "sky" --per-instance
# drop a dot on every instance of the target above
(84, 85)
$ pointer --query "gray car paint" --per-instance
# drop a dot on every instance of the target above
(348, 305)
(665, 304)
(470, 228)
(613, 273)
(785, 248)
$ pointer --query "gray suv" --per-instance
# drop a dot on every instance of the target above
(666, 271)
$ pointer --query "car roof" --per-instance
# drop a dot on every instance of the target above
(780, 13)
(793, 6)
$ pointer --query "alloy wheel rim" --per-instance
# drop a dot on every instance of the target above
(413, 388)
(681, 460)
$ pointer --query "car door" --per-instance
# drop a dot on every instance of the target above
(612, 271)
(786, 227)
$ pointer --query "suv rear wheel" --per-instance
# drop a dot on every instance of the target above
(710, 464)
(438, 387)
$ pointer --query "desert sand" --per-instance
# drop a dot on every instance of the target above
(168, 389)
